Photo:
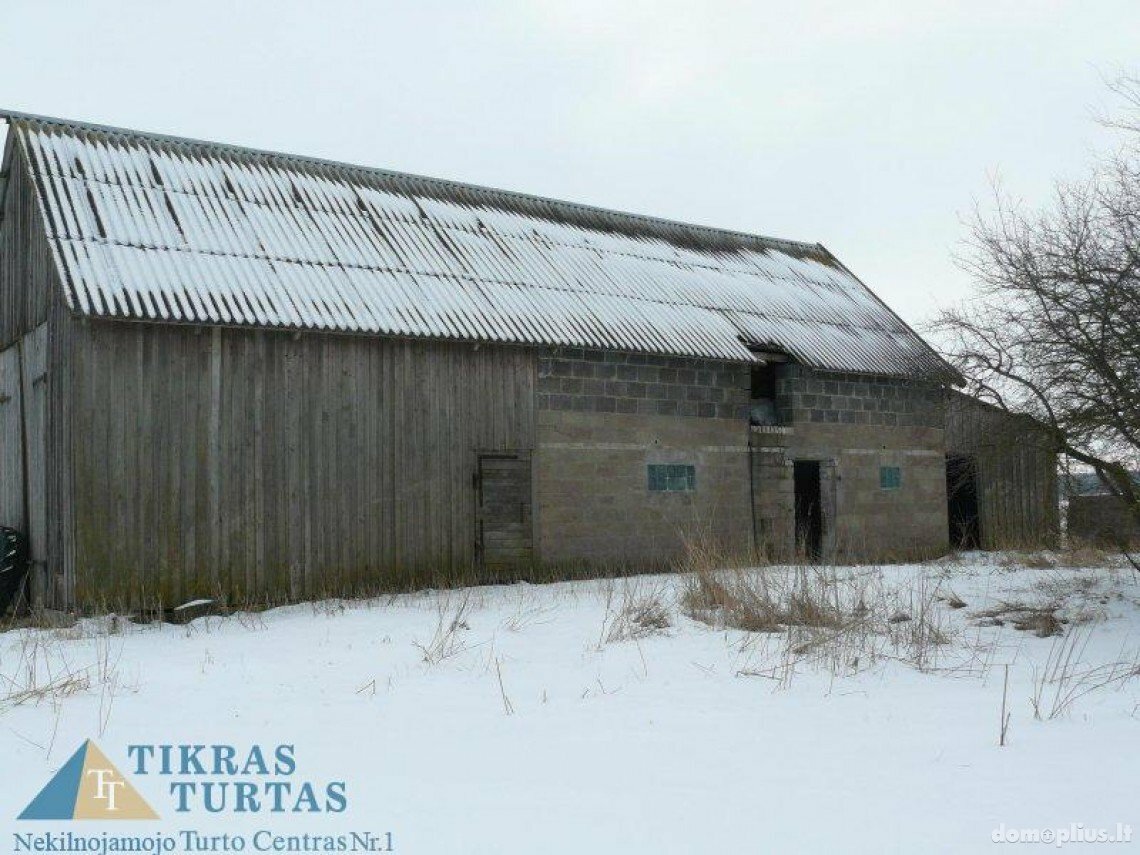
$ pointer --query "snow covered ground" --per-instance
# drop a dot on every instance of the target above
(547, 719)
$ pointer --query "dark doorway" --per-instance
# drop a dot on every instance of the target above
(962, 502)
(503, 504)
(809, 516)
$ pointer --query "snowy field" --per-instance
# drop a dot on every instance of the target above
(627, 717)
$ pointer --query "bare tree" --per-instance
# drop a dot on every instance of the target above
(1054, 328)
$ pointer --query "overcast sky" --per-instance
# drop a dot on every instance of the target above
(870, 127)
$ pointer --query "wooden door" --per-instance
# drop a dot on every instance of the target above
(504, 539)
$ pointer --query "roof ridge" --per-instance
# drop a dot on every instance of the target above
(13, 116)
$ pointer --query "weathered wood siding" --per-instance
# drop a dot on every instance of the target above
(56, 581)
(248, 463)
(31, 304)
(1016, 470)
(26, 265)
(33, 387)
(11, 447)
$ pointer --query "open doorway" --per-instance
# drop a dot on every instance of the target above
(809, 514)
(962, 502)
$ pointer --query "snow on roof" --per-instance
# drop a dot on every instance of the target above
(162, 229)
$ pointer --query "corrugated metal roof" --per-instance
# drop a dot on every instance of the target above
(155, 228)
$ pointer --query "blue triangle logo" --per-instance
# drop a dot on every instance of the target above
(88, 786)
(57, 799)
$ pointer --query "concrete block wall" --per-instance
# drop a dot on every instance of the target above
(869, 522)
(773, 492)
(592, 494)
(577, 380)
(855, 425)
(805, 396)
(602, 419)
(892, 524)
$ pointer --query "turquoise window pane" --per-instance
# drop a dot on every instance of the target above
(672, 477)
(890, 477)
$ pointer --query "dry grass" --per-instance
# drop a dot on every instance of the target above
(784, 621)
(447, 640)
(762, 601)
(1075, 555)
(142, 604)
(1041, 620)
(635, 609)
(1056, 599)
(41, 670)
(1066, 676)
(52, 689)
(841, 620)
(729, 600)
(737, 598)
(1032, 560)
(527, 613)
(954, 601)
(1083, 555)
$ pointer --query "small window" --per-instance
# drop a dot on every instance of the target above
(672, 478)
(764, 382)
(890, 477)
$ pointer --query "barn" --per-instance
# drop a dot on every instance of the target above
(240, 373)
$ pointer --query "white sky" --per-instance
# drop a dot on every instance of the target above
(870, 127)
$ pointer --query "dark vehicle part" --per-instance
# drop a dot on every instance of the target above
(13, 567)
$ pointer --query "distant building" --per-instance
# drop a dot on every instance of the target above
(1001, 477)
(240, 373)
(1101, 519)
(1094, 515)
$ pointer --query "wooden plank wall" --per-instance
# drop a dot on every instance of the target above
(1017, 473)
(11, 447)
(24, 257)
(249, 463)
(30, 296)
(33, 385)
(58, 584)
